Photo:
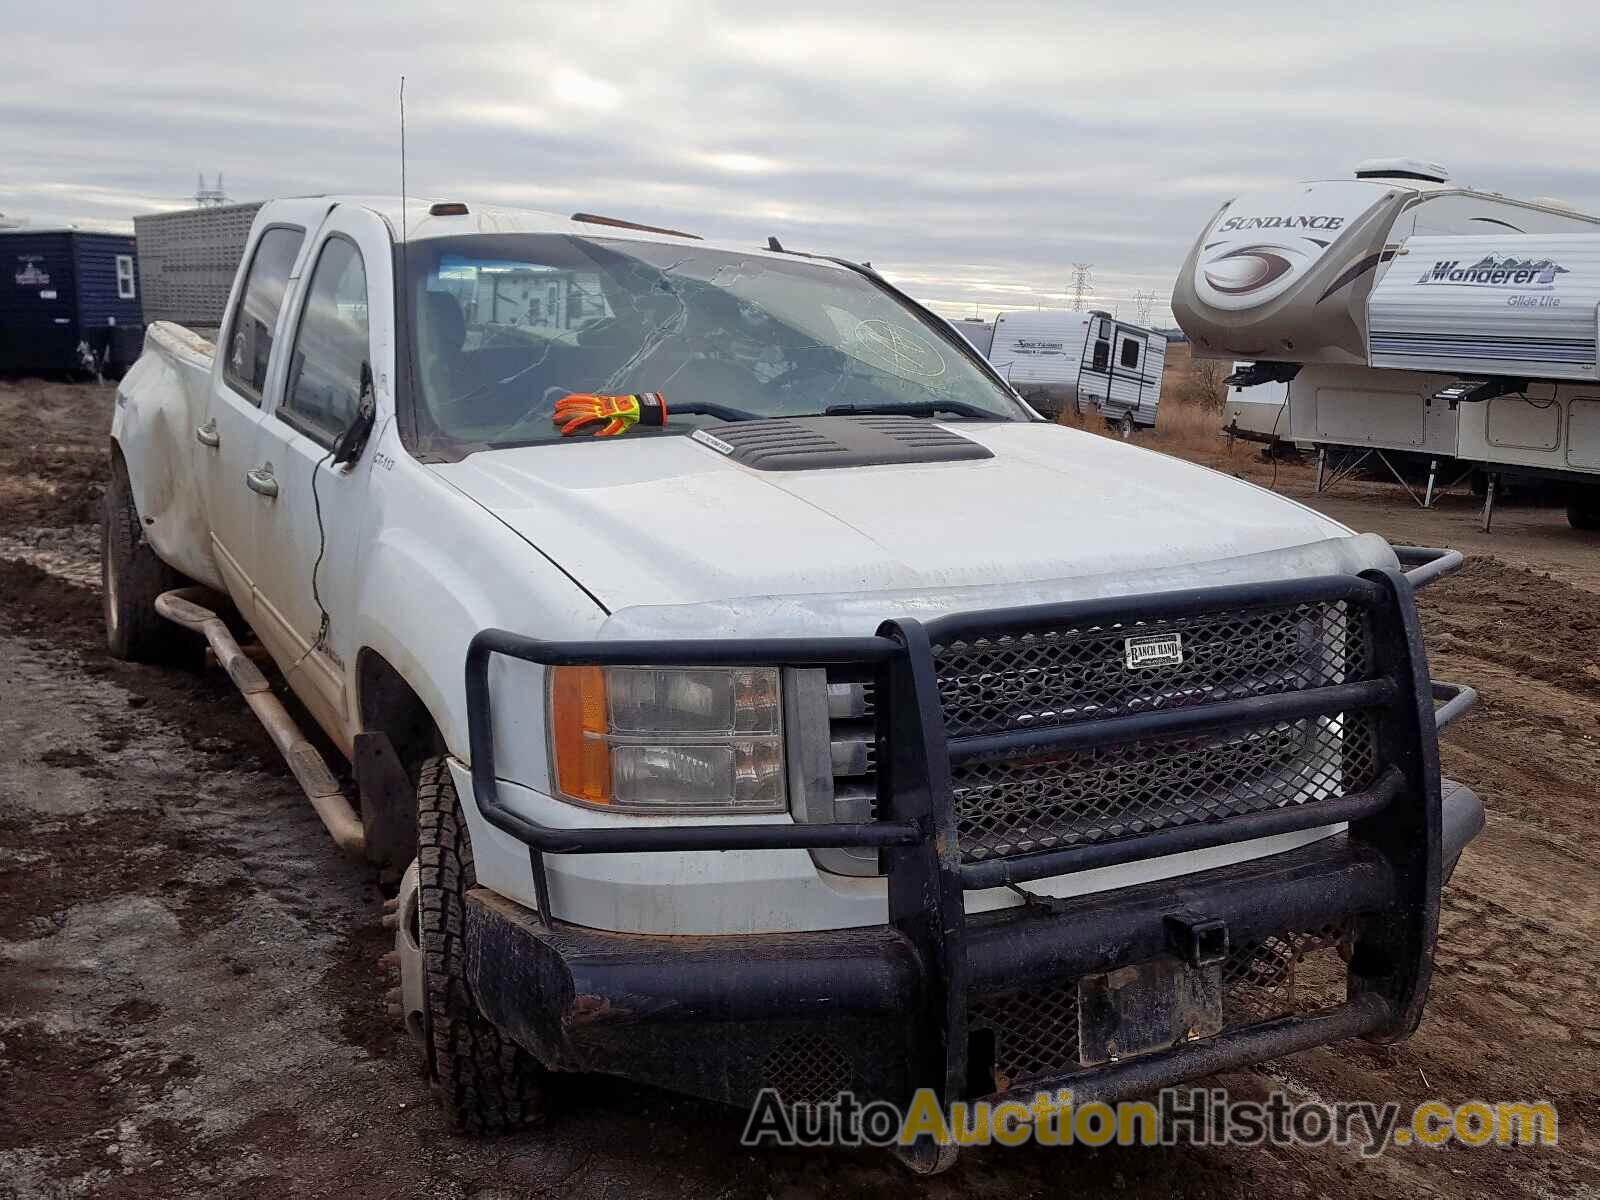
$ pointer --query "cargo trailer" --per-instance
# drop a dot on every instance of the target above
(69, 301)
(187, 261)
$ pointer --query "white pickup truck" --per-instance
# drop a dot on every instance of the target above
(766, 696)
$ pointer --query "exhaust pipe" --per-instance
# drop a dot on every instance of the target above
(183, 606)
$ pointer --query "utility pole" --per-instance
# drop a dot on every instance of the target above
(1080, 284)
(1146, 303)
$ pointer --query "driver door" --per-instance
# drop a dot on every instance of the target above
(310, 537)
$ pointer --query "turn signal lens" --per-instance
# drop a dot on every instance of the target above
(669, 739)
(578, 729)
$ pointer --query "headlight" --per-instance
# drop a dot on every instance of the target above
(668, 740)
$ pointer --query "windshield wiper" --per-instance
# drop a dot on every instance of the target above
(720, 411)
(920, 408)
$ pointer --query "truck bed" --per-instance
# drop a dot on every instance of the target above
(160, 403)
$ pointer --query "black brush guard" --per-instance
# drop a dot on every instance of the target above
(924, 970)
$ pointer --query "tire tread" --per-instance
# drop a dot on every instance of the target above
(486, 1082)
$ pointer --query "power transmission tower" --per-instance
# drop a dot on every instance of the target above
(1146, 303)
(207, 197)
(1080, 284)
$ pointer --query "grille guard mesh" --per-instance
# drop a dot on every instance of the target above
(1060, 675)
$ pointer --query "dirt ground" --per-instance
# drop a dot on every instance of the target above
(190, 1002)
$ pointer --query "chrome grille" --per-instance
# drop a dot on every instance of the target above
(852, 737)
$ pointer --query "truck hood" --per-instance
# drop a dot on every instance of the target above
(667, 521)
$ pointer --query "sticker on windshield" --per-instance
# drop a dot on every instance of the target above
(710, 439)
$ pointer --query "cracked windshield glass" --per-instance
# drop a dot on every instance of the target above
(508, 328)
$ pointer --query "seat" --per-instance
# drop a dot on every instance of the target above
(441, 333)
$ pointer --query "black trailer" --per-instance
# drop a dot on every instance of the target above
(69, 301)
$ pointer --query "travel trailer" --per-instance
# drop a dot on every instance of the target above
(1056, 358)
(977, 331)
(1385, 301)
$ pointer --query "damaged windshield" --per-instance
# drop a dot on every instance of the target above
(508, 327)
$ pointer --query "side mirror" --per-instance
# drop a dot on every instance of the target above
(347, 447)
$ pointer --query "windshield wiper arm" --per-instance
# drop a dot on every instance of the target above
(921, 408)
(722, 412)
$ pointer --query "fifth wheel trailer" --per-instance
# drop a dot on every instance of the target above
(1384, 328)
(1284, 275)
(1515, 324)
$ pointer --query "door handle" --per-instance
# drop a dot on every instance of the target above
(207, 434)
(261, 481)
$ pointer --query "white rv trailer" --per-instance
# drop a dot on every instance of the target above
(1284, 276)
(1055, 358)
(1257, 414)
(1512, 326)
(977, 331)
(1285, 280)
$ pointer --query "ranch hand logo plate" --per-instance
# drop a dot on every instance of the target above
(1153, 650)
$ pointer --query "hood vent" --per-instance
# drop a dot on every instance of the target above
(821, 443)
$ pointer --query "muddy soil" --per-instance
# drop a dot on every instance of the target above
(190, 1001)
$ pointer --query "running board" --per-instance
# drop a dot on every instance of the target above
(182, 607)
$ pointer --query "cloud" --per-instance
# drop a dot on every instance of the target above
(972, 152)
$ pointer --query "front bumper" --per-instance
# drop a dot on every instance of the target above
(1108, 993)
(812, 1014)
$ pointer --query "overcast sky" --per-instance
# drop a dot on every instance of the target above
(973, 151)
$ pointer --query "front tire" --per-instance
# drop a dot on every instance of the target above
(1125, 426)
(485, 1082)
(131, 577)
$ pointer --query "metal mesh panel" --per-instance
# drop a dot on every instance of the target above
(1286, 973)
(1061, 675)
(1055, 676)
(1018, 806)
(808, 1070)
(1036, 1032)
(187, 261)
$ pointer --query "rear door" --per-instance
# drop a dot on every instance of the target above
(311, 535)
(227, 463)
(1127, 371)
(1094, 375)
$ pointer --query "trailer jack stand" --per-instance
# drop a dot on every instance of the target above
(1347, 464)
(182, 607)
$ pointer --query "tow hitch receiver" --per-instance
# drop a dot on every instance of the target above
(1199, 941)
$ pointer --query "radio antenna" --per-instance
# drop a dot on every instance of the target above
(403, 330)
(402, 166)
